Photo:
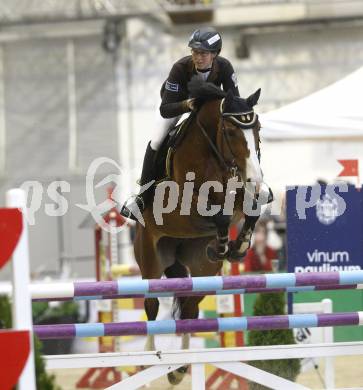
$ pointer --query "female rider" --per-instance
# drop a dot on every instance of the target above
(204, 61)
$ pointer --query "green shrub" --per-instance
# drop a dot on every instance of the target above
(5, 312)
(265, 305)
(46, 313)
(45, 381)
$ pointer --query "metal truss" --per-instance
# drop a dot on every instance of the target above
(41, 11)
(36, 11)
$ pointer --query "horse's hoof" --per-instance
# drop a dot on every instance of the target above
(234, 254)
(175, 377)
(215, 256)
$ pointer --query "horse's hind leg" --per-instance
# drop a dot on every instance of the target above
(150, 268)
(177, 270)
(151, 306)
(188, 310)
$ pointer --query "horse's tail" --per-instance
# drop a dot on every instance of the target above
(177, 270)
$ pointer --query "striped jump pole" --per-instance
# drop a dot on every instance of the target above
(197, 325)
(203, 285)
(198, 293)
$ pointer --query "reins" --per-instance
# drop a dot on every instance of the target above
(213, 147)
(233, 168)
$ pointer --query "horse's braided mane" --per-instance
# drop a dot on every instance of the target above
(203, 90)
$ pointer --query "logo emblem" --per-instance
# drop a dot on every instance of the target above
(327, 210)
(99, 210)
(172, 87)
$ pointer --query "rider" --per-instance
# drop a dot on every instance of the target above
(204, 61)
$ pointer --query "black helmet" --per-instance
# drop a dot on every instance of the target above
(206, 38)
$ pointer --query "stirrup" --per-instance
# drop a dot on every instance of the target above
(129, 208)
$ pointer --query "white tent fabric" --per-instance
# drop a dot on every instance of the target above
(286, 163)
(333, 112)
(303, 141)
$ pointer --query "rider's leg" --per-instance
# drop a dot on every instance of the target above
(148, 173)
(161, 130)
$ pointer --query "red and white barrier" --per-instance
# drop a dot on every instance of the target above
(14, 241)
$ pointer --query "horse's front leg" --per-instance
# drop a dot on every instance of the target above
(217, 250)
(238, 248)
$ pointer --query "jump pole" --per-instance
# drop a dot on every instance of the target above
(198, 325)
(200, 285)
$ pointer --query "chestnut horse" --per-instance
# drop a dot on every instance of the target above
(221, 144)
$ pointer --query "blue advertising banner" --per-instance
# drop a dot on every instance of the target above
(324, 228)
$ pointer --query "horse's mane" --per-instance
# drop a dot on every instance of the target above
(203, 90)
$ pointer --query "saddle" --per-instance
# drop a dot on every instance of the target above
(165, 154)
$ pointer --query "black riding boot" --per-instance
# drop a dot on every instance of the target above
(140, 201)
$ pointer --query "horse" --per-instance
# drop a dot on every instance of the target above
(220, 145)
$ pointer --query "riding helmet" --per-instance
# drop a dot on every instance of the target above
(206, 38)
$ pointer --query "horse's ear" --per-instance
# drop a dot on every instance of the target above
(229, 95)
(253, 99)
(229, 103)
(229, 98)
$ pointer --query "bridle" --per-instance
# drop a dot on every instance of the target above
(230, 167)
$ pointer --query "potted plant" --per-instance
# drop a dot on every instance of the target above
(273, 304)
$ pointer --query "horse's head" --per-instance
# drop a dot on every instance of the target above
(238, 136)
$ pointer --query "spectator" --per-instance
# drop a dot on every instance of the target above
(259, 257)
